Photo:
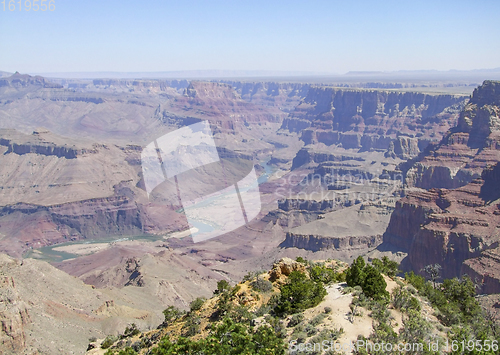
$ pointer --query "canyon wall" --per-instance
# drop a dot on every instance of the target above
(467, 149)
(373, 119)
(458, 229)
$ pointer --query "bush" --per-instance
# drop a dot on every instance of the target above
(295, 320)
(366, 276)
(301, 337)
(262, 285)
(320, 273)
(131, 331)
(127, 351)
(328, 310)
(374, 284)
(386, 266)
(110, 340)
(171, 314)
(416, 280)
(310, 329)
(222, 286)
(192, 325)
(403, 300)
(301, 260)
(355, 274)
(299, 293)
(196, 304)
(317, 320)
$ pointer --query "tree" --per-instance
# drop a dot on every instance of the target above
(374, 284)
(171, 314)
(386, 266)
(222, 286)
(323, 274)
(355, 274)
(228, 338)
(433, 271)
(197, 303)
(299, 293)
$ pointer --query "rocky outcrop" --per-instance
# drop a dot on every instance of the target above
(293, 218)
(24, 80)
(293, 204)
(14, 317)
(458, 229)
(40, 143)
(307, 155)
(467, 149)
(284, 267)
(320, 242)
(353, 228)
(135, 278)
(406, 147)
(371, 119)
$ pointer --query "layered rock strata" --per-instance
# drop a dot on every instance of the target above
(467, 149)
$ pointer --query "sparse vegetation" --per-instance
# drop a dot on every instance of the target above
(233, 326)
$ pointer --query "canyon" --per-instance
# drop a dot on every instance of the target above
(343, 172)
(455, 222)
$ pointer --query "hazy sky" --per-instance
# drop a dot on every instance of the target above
(315, 36)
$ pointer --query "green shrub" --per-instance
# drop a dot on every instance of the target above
(301, 337)
(110, 340)
(127, 351)
(192, 325)
(328, 310)
(322, 274)
(299, 293)
(416, 280)
(130, 331)
(310, 329)
(222, 286)
(355, 275)
(301, 260)
(197, 303)
(171, 314)
(386, 266)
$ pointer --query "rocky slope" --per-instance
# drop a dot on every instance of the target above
(46, 311)
(458, 229)
(468, 148)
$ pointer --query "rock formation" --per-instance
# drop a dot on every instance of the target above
(467, 149)
(458, 229)
(363, 119)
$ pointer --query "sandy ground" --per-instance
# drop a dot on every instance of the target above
(185, 233)
(340, 315)
(339, 303)
(83, 249)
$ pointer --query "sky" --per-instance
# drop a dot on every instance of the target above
(273, 35)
